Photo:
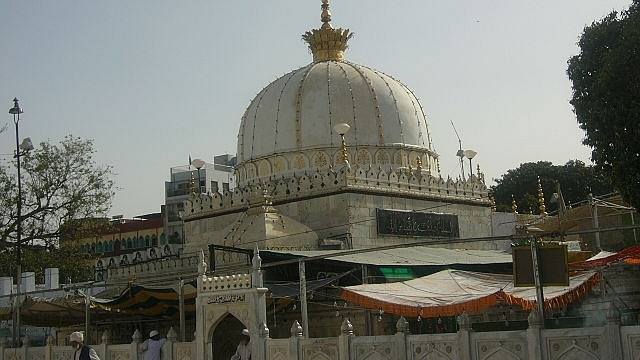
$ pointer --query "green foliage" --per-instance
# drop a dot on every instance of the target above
(70, 263)
(61, 183)
(575, 178)
(606, 97)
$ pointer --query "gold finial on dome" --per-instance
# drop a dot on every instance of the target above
(327, 43)
(543, 208)
(192, 185)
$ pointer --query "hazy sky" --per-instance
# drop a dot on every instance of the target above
(152, 81)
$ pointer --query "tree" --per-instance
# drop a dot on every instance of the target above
(61, 184)
(606, 97)
(35, 258)
(575, 178)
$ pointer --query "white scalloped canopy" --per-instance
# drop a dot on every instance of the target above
(299, 110)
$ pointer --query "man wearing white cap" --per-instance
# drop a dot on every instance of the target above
(82, 351)
(243, 352)
(152, 347)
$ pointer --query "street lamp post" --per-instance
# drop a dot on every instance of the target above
(470, 154)
(537, 274)
(342, 129)
(21, 149)
(198, 163)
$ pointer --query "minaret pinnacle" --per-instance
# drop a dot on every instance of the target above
(327, 43)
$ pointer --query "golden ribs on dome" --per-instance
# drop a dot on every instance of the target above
(327, 43)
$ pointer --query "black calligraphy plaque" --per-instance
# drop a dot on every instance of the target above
(414, 223)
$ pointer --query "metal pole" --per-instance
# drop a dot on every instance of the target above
(635, 239)
(594, 214)
(16, 111)
(537, 278)
(303, 299)
(87, 314)
(181, 310)
(367, 318)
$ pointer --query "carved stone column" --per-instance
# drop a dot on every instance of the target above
(534, 334)
(612, 329)
(464, 336)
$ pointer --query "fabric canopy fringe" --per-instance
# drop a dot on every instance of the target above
(629, 255)
(576, 294)
(424, 312)
(452, 292)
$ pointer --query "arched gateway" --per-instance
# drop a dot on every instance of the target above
(225, 305)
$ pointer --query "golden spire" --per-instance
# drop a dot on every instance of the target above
(543, 209)
(327, 43)
(192, 185)
(492, 201)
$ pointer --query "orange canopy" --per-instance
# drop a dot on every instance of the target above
(451, 292)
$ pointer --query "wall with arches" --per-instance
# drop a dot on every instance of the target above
(387, 158)
(124, 242)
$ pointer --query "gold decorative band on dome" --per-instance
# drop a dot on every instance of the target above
(327, 43)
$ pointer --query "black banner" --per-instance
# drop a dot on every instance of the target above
(413, 223)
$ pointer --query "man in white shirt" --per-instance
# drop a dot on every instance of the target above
(82, 351)
(243, 352)
(152, 347)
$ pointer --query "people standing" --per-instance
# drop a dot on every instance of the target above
(81, 351)
(243, 352)
(152, 347)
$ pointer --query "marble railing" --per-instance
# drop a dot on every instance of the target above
(409, 182)
(610, 341)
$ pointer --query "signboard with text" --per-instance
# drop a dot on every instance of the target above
(414, 223)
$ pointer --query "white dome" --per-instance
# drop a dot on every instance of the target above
(298, 111)
(289, 125)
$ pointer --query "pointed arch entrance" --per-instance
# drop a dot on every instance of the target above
(227, 304)
(225, 337)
